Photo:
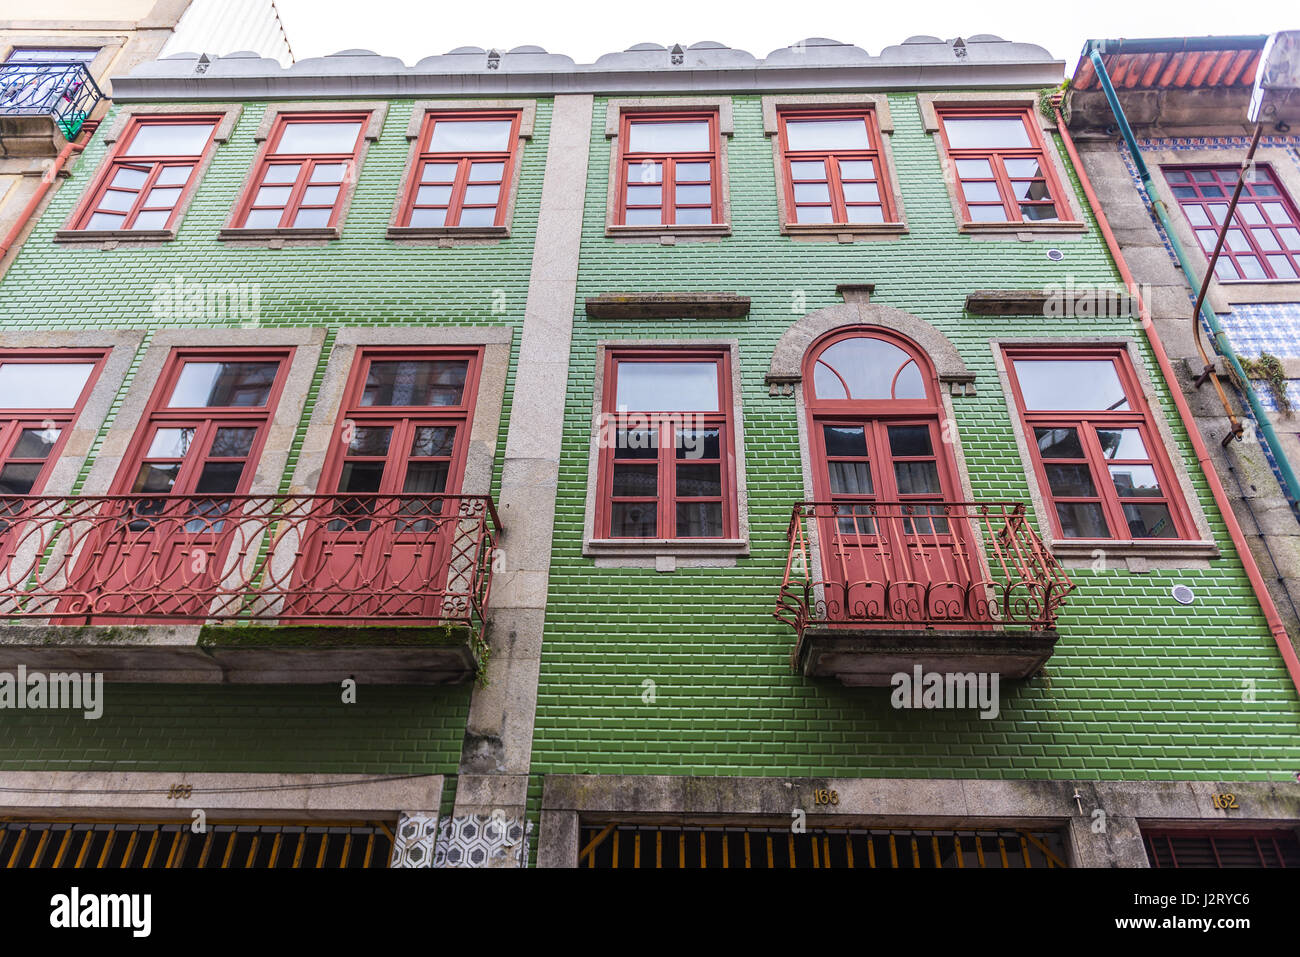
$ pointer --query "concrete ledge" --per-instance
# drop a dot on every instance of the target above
(870, 656)
(238, 654)
(667, 305)
(278, 232)
(114, 235)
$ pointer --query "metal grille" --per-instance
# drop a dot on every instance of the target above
(1222, 849)
(651, 846)
(150, 845)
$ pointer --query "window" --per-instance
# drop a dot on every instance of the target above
(833, 170)
(666, 457)
(463, 167)
(299, 179)
(668, 170)
(40, 396)
(1263, 240)
(1222, 849)
(1001, 168)
(150, 171)
(1096, 451)
(52, 55)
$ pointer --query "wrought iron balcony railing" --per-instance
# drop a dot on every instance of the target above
(959, 565)
(65, 91)
(303, 559)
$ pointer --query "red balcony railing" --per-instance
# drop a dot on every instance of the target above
(401, 559)
(897, 564)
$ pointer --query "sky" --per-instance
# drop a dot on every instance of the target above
(584, 29)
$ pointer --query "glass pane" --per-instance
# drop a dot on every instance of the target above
(910, 440)
(428, 217)
(861, 193)
(866, 214)
(692, 172)
(645, 195)
(1058, 443)
(317, 138)
(1290, 238)
(430, 440)
(1149, 521)
(320, 195)
(220, 478)
(242, 384)
(232, 443)
(433, 196)
(699, 481)
(415, 382)
(694, 217)
(117, 199)
(1277, 214)
(667, 386)
(698, 444)
(482, 195)
(156, 478)
(988, 214)
(1053, 384)
(328, 172)
(470, 136)
(981, 192)
(1132, 481)
(1249, 213)
(859, 521)
(426, 478)
(974, 169)
(812, 193)
(1038, 214)
(857, 169)
(694, 195)
(34, 443)
(18, 479)
(1023, 168)
(361, 476)
(438, 173)
(370, 440)
(917, 478)
(683, 136)
(1224, 269)
(1282, 267)
(481, 216)
(281, 173)
(129, 178)
(845, 440)
(632, 519)
(1082, 520)
(272, 196)
(868, 366)
(1237, 241)
(1122, 444)
(1251, 268)
(847, 134)
(169, 139)
(986, 132)
(170, 444)
(646, 172)
(1207, 237)
(850, 478)
(173, 176)
(636, 444)
(644, 217)
(1219, 211)
(263, 218)
(813, 214)
(311, 218)
(1032, 189)
(42, 385)
(1265, 239)
(1197, 215)
(163, 197)
(1070, 481)
(486, 172)
(808, 170)
(699, 519)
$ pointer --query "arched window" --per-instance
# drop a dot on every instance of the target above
(863, 366)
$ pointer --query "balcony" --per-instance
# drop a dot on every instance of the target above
(874, 589)
(43, 105)
(388, 589)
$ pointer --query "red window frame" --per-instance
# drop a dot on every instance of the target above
(402, 419)
(666, 459)
(1269, 848)
(833, 174)
(1255, 232)
(997, 157)
(306, 163)
(1087, 421)
(152, 166)
(14, 421)
(668, 180)
(465, 161)
(204, 419)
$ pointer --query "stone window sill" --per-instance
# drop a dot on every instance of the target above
(665, 554)
(114, 235)
(439, 233)
(281, 232)
(650, 232)
(1150, 553)
(1014, 229)
(850, 230)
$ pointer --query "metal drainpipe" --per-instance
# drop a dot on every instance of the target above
(1275, 625)
(1290, 485)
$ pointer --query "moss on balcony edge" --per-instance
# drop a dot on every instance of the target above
(330, 636)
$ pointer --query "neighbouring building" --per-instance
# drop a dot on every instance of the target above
(682, 460)
(55, 68)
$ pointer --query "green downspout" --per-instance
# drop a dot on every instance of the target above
(1220, 340)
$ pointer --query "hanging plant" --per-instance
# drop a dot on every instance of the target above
(1045, 101)
(1269, 368)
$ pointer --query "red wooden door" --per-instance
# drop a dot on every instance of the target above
(160, 549)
